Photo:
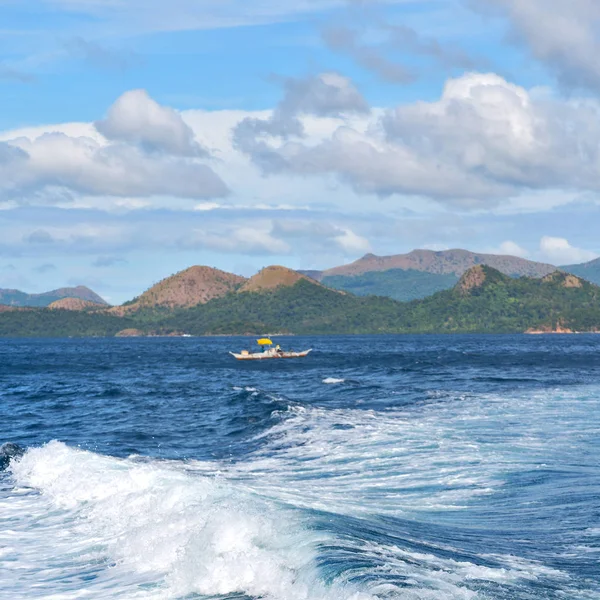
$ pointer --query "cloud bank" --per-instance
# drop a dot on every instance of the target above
(485, 139)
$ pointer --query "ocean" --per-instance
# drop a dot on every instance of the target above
(379, 467)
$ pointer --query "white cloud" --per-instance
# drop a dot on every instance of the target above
(484, 140)
(138, 119)
(55, 164)
(323, 95)
(560, 252)
(57, 161)
(484, 144)
(510, 248)
(351, 243)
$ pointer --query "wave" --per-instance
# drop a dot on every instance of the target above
(152, 530)
(102, 527)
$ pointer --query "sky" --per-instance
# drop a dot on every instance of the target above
(138, 138)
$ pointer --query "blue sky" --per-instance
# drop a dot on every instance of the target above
(139, 138)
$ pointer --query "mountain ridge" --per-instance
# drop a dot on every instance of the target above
(12, 297)
(419, 273)
(442, 262)
(483, 301)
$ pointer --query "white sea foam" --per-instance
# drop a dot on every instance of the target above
(101, 527)
(167, 532)
(443, 456)
(333, 380)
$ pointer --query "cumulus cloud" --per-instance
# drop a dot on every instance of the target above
(138, 119)
(55, 160)
(483, 140)
(352, 243)
(324, 95)
(148, 151)
(562, 34)
(560, 252)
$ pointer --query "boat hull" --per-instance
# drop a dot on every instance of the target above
(269, 355)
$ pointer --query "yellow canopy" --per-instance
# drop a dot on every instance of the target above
(264, 342)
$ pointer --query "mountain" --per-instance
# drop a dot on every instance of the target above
(273, 277)
(589, 270)
(483, 301)
(419, 273)
(196, 285)
(442, 262)
(18, 298)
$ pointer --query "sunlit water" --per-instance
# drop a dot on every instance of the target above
(463, 467)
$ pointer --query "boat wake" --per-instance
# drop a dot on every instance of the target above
(150, 530)
(414, 503)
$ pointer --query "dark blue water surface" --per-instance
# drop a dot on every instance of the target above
(418, 467)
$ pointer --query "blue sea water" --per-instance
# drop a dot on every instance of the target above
(409, 467)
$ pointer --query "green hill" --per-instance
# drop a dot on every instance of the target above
(399, 284)
(487, 301)
(47, 322)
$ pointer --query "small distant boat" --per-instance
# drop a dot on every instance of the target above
(268, 351)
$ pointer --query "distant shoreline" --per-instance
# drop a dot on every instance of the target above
(292, 335)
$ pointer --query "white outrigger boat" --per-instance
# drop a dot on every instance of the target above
(268, 351)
